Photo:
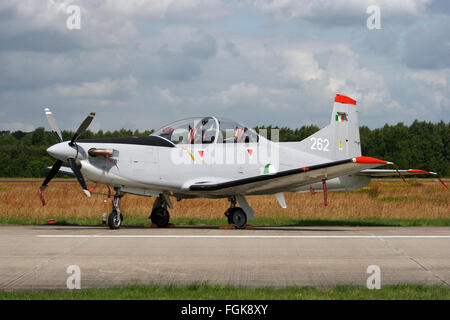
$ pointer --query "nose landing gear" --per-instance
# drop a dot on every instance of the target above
(115, 217)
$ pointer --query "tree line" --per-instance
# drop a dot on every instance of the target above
(422, 145)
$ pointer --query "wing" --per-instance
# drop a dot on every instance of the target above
(63, 170)
(288, 179)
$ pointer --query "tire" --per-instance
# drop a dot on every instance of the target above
(238, 218)
(113, 222)
(160, 216)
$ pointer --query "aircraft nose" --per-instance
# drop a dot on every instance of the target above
(61, 151)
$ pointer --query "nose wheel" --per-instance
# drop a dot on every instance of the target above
(115, 217)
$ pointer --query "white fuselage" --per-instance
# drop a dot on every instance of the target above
(149, 170)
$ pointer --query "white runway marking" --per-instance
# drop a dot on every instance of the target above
(238, 236)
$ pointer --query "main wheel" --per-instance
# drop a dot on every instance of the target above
(114, 220)
(160, 217)
(237, 217)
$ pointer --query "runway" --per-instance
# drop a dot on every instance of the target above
(37, 257)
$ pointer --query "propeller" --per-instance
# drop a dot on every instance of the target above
(76, 170)
(72, 161)
(56, 166)
(53, 124)
(82, 128)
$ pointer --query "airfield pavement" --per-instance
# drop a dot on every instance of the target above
(37, 257)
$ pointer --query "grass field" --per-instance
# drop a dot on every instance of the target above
(421, 202)
(217, 292)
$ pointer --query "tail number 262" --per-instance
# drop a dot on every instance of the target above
(320, 144)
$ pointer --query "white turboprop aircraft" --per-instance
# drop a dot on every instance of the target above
(210, 157)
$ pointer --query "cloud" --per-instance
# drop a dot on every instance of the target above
(16, 126)
(427, 46)
(203, 48)
(240, 92)
(439, 6)
(167, 95)
(340, 13)
(167, 9)
(231, 48)
(302, 66)
(259, 62)
(431, 77)
(104, 88)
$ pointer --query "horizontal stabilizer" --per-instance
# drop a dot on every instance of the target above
(391, 172)
(388, 173)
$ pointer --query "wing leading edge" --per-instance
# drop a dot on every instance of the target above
(289, 179)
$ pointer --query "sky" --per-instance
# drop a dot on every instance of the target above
(140, 64)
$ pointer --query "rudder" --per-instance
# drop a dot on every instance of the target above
(340, 139)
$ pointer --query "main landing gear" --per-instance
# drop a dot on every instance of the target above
(115, 217)
(235, 215)
(160, 215)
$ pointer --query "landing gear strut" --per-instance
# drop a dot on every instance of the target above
(115, 217)
(160, 215)
(235, 215)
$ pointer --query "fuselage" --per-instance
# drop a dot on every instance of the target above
(149, 165)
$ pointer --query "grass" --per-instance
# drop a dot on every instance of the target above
(219, 292)
(381, 203)
(131, 222)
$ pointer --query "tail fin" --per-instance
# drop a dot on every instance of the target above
(340, 139)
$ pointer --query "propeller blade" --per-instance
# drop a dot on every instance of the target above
(82, 128)
(56, 166)
(53, 124)
(79, 176)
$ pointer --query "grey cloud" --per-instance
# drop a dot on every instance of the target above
(175, 66)
(181, 59)
(204, 48)
(7, 14)
(31, 70)
(322, 58)
(331, 13)
(40, 40)
(427, 46)
(439, 6)
(231, 48)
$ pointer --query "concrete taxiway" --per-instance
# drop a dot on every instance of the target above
(37, 257)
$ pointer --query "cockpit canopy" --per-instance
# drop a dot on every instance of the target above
(207, 130)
